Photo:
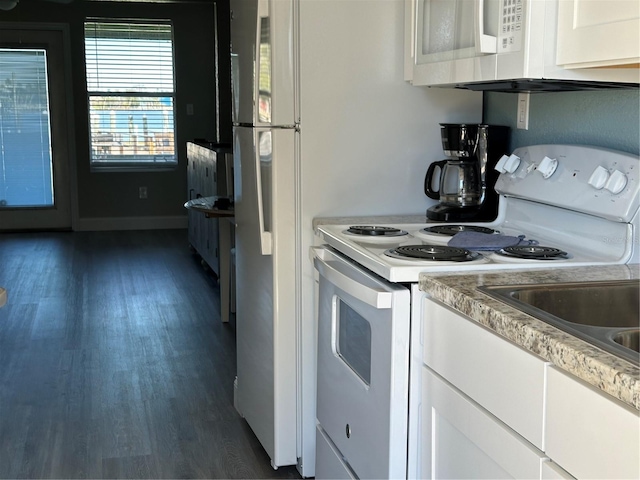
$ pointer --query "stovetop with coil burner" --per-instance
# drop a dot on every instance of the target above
(555, 200)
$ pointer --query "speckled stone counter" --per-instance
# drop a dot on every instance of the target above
(603, 370)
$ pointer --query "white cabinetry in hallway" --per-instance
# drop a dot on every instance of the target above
(206, 177)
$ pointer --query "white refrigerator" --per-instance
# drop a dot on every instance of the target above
(324, 125)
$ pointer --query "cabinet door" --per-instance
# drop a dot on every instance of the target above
(480, 363)
(213, 252)
(596, 33)
(193, 191)
(462, 440)
(589, 433)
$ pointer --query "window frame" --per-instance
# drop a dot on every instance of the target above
(129, 164)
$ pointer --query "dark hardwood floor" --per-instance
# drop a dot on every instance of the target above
(114, 362)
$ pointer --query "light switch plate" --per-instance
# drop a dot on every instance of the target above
(522, 119)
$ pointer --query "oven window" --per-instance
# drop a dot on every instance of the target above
(353, 344)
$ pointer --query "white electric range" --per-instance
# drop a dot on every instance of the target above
(580, 208)
(560, 206)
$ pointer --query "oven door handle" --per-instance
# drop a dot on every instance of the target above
(376, 297)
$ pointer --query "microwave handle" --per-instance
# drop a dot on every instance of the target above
(484, 43)
(378, 299)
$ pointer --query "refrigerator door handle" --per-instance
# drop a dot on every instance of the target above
(265, 236)
(366, 292)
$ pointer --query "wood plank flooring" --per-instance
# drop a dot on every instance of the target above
(114, 362)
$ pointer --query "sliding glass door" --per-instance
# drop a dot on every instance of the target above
(34, 130)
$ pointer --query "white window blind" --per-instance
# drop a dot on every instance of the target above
(25, 133)
(130, 84)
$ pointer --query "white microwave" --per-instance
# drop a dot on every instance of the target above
(523, 45)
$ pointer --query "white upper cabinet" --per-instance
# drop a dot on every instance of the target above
(596, 33)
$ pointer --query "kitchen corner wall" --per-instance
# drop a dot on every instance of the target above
(605, 118)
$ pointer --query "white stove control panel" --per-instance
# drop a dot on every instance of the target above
(591, 180)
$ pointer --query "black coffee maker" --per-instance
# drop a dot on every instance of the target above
(464, 182)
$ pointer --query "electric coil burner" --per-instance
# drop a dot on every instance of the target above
(376, 234)
(440, 253)
(375, 230)
(451, 230)
(533, 252)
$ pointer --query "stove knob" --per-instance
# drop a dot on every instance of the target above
(508, 164)
(512, 163)
(616, 182)
(599, 177)
(500, 165)
(547, 166)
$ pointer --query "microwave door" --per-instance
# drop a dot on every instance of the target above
(456, 29)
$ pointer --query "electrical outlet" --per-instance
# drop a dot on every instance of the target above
(522, 121)
(142, 192)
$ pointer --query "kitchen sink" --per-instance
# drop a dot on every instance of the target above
(628, 339)
(606, 313)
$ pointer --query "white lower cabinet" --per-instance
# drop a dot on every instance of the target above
(497, 374)
(205, 166)
(487, 408)
(589, 433)
(482, 402)
(466, 441)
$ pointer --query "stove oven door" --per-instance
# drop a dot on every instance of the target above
(363, 358)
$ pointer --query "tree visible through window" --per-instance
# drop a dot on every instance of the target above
(130, 87)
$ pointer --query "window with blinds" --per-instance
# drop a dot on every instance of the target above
(130, 86)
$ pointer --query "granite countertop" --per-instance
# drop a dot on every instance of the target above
(603, 370)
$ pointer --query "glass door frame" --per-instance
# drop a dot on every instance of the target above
(55, 39)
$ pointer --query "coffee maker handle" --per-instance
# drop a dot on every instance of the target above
(428, 180)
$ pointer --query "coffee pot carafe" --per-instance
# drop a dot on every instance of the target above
(465, 181)
(460, 183)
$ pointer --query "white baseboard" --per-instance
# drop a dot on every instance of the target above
(130, 223)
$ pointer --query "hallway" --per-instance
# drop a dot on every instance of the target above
(114, 362)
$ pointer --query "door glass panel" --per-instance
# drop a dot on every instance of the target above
(26, 178)
(448, 26)
(354, 341)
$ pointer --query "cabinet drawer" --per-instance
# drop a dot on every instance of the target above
(589, 433)
(500, 376)
(462, 440)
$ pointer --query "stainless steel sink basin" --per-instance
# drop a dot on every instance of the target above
(628, 339)
(606, 314)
